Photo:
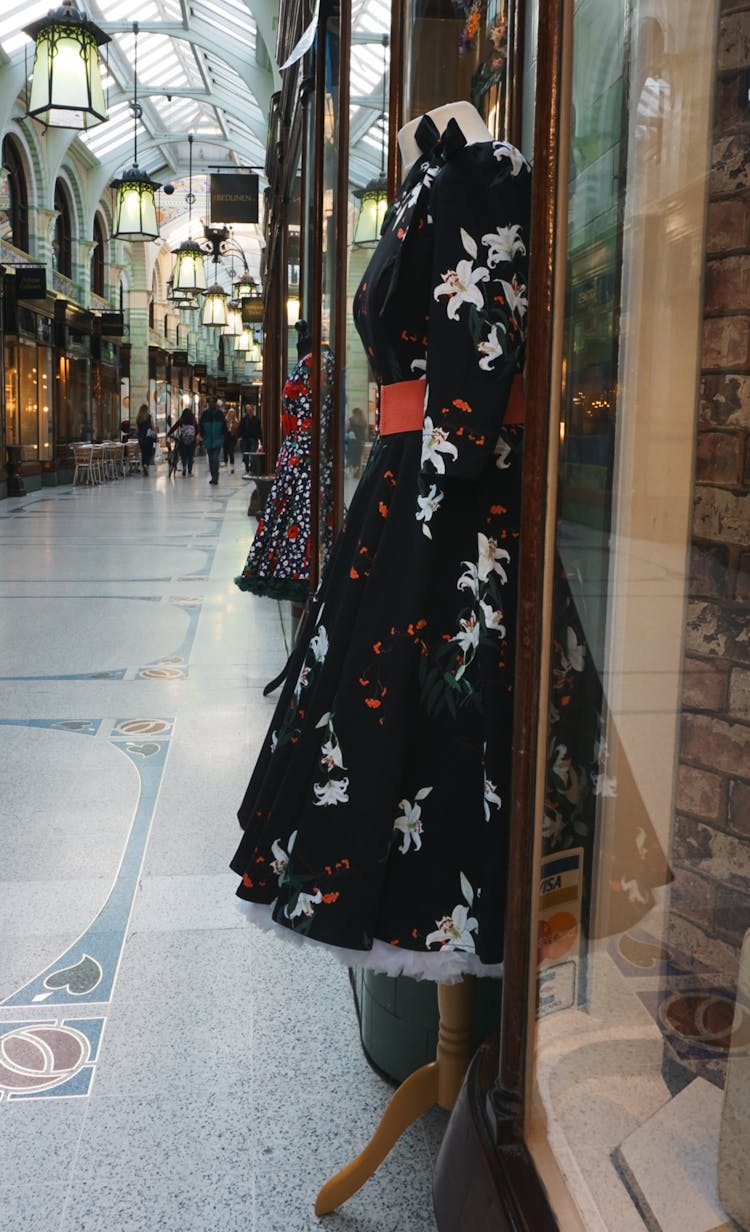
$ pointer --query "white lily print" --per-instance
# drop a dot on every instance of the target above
(575, 653)
(461, 286)
(280, 861)
(319, 644)
(604, 785)
(561, 764)
(490, 349)
(490, 797)
(302, 681)
(274, 741)
(454, 931)
(491, 558)
(469, 579)
(515, 295)
(468, 635)
(335, 791)
(434, 443)
(304, 905)
(331, 754)
(493, 618)
(503, 149)
(502, 452)
(633, 890)
(427, 506)
(553, 826)
(410, 822)
(503, 244)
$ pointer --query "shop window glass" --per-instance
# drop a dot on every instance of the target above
(63, 242)
(12, 424)
(98, 257)
(18, 214)
(641, 1108)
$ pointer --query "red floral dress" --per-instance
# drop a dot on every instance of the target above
(278, 563)
(375, 820)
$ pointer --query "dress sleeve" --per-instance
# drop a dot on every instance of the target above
(480, 218)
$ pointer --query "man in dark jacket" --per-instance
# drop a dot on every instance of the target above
(249, 435)
(212, 427)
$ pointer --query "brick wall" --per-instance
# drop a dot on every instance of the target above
(711, 852)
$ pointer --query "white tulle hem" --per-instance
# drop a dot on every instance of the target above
(444, 966)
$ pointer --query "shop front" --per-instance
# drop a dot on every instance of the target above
(618, 1094)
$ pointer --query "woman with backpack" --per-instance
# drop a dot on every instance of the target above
(185, 434)
(146, 436)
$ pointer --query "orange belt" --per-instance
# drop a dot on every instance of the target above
(402, 405)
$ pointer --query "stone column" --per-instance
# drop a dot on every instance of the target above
(139, 334)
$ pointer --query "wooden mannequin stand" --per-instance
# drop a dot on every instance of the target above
(439, 1083)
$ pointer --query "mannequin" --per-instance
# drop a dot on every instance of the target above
(466, 116)
(396, 716)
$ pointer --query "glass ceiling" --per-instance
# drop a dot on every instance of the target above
(204, 69)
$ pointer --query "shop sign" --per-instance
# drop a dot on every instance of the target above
(251, 309)
(234, 198)
(112, 324)
(180, 359)
(200, 370)
(31, 282)
(560, 943)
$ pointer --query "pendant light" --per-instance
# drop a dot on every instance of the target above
(189, 272)
(66, 84)
(180, 299)
(135, 204)
(374, 196)
(214, 306)
(245, 340)
(233, 327)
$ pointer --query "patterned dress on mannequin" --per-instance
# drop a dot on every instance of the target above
(278, 564)
(376, 818)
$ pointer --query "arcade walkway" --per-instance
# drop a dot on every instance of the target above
(162, 1065)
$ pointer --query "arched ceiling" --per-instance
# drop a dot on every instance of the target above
(205, 68)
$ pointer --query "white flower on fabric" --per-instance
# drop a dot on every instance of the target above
(333, 792)
(641, 843)
(633, 891)
(454, 931)
(304, 905)
(490, 558)
(418, 365)
(515, 295)
(410, 825)
(428, 505)
(490, 797)
(561, 764)
(468, 635)
(493, 618)
(302, 681)
(575, 652)
(552, 827)
(434, 443)
(319, 644)
(280, 861)
(503, 149)
(604, 785)
(491, 349)
(274, 741)
(469, 579)
(331, 754)
(502, 453)
(503, 244)
(461, 285)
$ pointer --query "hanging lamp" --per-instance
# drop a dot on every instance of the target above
(135, 203)
(233, 327)
(180, 299)
(214, 305)
(189, 273)
(66, 83)
(374, 196)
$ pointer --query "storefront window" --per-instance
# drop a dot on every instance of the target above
(641, 1104)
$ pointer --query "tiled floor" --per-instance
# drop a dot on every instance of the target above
(162, 1065)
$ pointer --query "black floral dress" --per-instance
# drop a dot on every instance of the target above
(375, 820)
(278, 564)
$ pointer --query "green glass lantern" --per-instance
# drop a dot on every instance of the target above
(214, 306)
(66, 84)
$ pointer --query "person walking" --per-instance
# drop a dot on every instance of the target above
(230, 438)
(144, 423)
(249, 434)
(211, 428)
(185, 433)
(356, 434)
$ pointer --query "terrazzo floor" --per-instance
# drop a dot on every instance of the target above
(163, 1066)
